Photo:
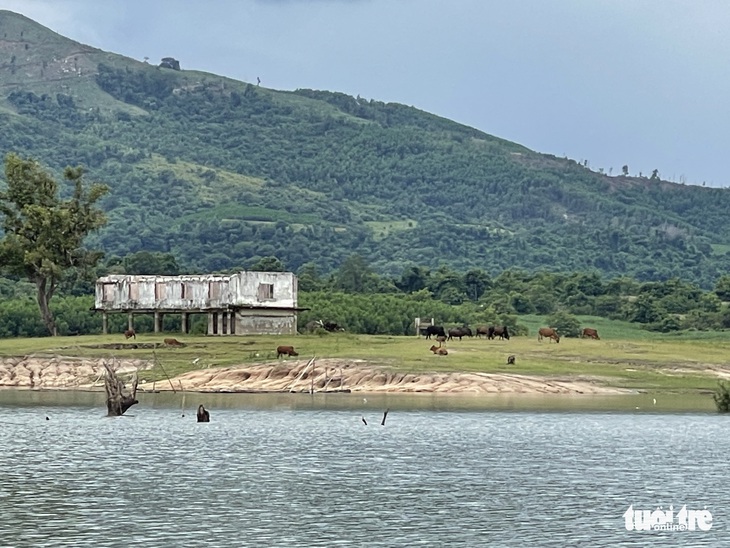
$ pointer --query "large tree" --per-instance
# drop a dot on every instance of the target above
(43, 232)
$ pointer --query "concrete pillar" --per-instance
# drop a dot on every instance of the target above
(130, 321)
(104, 323)
(158, 322)
(220, 323)
(184, 322)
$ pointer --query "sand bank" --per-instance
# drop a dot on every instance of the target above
(63, 372)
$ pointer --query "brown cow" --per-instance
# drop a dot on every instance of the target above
(285, 351)
(439, 350)
(172, 342)
(483, 330)
(590, 332)
(130, 334)
(548, 332)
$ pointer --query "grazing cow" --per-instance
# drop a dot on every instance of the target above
(459, 332)
(482, 330)
(589, 332)
(172, 342)
(548, 332)
(285, 351)
(331, 326)
(203, 415)
(130, 334)
(500, 331)
(435, 330)
(439, 350)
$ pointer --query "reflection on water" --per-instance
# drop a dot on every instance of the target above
(274, 470)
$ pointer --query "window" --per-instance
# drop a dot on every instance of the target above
(160, 291)
(134, 291)
(108, 293)
(186, 290)
(266, 292)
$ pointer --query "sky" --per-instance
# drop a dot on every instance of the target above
(641, 83)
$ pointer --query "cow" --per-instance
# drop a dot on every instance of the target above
(203, 415)
(285, 351)
(172, 342)
(130, 334)
(439, 350)
(482, 330)
(498, 331)
(328, 326)
(590, 332)
(435, 330)
(459, 332)
(331, 326)
(511, 360)
(548, 332)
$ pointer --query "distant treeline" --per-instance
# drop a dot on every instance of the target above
(364, 302)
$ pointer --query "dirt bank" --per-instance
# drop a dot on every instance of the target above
(359, 376)
(58, 372)
(63, 372)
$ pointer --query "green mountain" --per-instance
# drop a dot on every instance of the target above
(221, 173)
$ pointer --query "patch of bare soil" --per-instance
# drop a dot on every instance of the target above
(54, 372)
(359, 376)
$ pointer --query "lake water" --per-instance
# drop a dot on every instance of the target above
(297, 470)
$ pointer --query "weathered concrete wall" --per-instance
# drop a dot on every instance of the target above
(270, 322)
(254, 289)
(245, 289)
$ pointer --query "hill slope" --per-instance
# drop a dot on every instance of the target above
(221, 173)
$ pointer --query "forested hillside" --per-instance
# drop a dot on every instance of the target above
(221, 174)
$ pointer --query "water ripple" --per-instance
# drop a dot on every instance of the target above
(275, 477)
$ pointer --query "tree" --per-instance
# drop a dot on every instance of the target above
(268, 264)
(151, 263)
(566, 324)
(354, 275)
(722, 288)
(44, 234)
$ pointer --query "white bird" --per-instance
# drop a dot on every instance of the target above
(654, 401)
(195, 361)
(364, 400)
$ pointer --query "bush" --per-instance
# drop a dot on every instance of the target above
(722, 397)
(566, 324)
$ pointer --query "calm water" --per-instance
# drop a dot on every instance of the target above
(291, 470)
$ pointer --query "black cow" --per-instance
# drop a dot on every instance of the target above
(434, 330)
(483, 330)
(498, 331)
(460, 332)
(332, 326)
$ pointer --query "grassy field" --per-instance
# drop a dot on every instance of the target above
(625, 356)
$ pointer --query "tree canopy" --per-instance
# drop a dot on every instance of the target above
(44, 233)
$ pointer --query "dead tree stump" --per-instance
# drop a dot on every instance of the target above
(118, 398)
(203, 415)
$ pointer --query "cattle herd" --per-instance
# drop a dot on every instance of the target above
(491, 332)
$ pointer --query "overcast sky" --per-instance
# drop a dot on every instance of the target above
(638, 82)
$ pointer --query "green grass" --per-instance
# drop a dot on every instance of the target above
(383, 229)
(720, 249)
(654, 363)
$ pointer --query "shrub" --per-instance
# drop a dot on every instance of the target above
(722, 397)
(566, 324)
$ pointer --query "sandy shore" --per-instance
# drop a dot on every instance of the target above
(62, 372)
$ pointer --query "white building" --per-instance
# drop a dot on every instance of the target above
(238, 304)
